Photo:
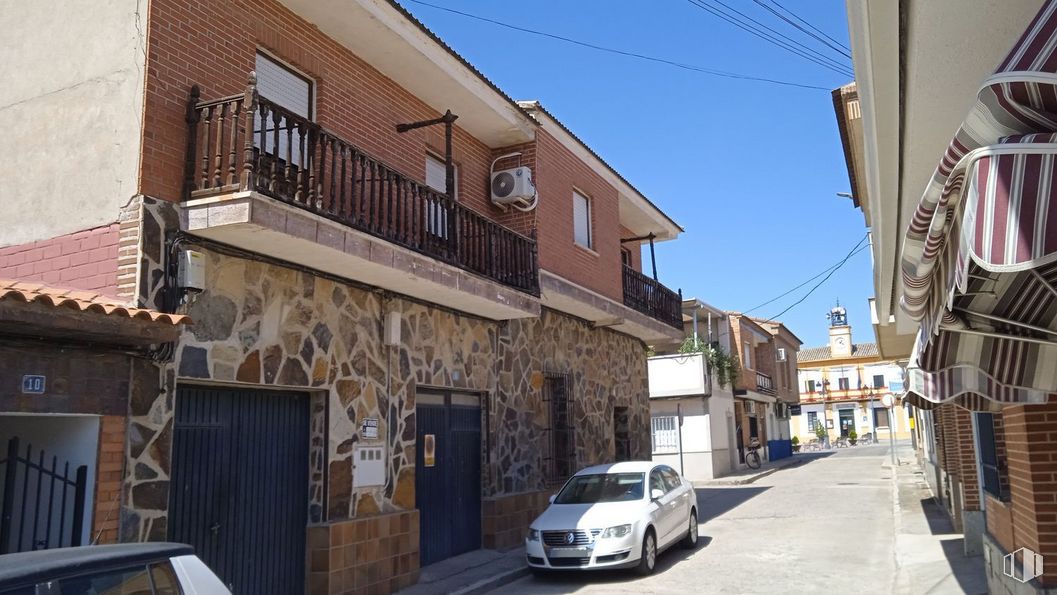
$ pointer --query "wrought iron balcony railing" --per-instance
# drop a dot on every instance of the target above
(764, 383)
(245, 142)
(653, 299)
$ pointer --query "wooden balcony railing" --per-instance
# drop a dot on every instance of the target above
(653, 299)
(245, 142)
(764, 384)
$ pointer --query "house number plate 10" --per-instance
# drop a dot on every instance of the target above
(33, 384)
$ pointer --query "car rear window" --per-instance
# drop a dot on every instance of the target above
(602, 487)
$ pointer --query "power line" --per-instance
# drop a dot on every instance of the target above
(806, 53)
(812, 34)
(691, 67)
(803, 47)
(816, 29)
(819, 284)
(833, 266)
(756, 28)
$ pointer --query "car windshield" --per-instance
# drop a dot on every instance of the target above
(603, 487)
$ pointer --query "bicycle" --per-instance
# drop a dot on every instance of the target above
(752, 457)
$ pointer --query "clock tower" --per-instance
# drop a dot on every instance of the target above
(839, 332)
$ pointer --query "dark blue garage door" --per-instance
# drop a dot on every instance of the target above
(239, 490)
(448, 487)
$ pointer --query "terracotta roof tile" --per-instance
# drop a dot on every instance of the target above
(814, 354)
(84, 301)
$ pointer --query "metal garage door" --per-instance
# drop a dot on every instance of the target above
(239, 490)
(448, 485)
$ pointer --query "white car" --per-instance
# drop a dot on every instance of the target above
(130, 568)
(614, 516)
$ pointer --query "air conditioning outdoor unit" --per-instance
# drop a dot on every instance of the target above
(513, 187)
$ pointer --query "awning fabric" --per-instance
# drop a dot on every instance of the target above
(979, 261)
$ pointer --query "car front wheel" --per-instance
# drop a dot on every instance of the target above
(690, 541)
(648, 560)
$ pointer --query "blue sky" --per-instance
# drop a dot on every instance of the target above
(751, 170)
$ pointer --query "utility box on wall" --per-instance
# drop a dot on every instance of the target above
(368, 466)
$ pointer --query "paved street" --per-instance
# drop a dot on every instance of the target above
(837, 524)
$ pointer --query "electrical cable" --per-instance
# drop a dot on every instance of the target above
(776, 298)
(809, 25)
(820, 60)
(801, 46)
(628, 54)
(803, 30)
(819, 284)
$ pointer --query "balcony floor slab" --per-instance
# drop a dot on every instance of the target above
(253, 222)
(564, 295)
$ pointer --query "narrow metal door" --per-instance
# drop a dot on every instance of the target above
(448, 484)
(239, 491)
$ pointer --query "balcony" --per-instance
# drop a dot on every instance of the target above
(764, 383)
(651, 298)
(262, 178)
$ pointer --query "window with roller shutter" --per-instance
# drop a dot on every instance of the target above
(581, 219)
(436, 178)
(291, 91)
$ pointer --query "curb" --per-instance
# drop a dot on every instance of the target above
(749, 479)
(490, 583)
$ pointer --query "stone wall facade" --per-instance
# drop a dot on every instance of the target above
(262, 324)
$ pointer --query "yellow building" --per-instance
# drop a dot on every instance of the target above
(843, 387)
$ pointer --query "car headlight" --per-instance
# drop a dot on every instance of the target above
(533, 535)
(618, 531)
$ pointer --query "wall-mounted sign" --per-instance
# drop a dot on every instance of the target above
(829, 424)
(429, 450)
(794, 410)
(33, 384)
(369, 428)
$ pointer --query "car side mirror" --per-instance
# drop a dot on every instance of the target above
(551, 498)
(656, 494)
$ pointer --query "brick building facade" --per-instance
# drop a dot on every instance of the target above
(396, 344)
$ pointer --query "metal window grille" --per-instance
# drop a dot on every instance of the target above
(812, 420)
(664, 432)
(557, 395)
(992, 476)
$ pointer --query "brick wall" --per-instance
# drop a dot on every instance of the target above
(1031, 444)
(215, 44)
(506, 518)
(1000, 522)
(635, 248)
(111, 466)
(377, 554)
(966, 452)
(598, 268)
(83, 260)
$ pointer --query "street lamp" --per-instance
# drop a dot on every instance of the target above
(822, 391)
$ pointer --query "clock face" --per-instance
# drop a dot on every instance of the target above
(841, 342)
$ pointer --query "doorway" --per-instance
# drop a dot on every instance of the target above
(847, 421)
(447, 473)
(239, 490)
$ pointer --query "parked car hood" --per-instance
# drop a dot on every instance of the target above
(589, 516)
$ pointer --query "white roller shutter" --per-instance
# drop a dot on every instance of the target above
(281, 85)
(277, 83)
(581, 219)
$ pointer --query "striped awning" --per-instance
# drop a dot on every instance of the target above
(979, 260)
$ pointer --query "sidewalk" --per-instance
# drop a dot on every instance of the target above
(745, 476)
(474, 572)
(929, 553)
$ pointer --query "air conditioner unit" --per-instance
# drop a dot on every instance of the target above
(781, 354)
(513, 187)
